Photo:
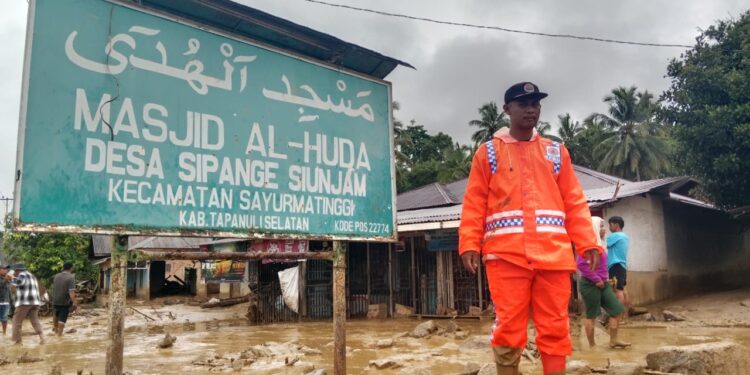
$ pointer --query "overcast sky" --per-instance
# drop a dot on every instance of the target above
(459, 69)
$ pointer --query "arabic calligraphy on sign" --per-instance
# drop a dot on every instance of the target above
(313, 100)
(191, 72)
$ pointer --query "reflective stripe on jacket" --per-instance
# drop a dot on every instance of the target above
(523, 203)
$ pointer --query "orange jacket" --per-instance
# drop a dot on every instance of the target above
(523, 204)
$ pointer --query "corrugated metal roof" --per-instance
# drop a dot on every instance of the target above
(432, 195)
(169, 243)
(429, 215)
(102, 244)
(591, 179)
(595, 197)
(629, 189)
(265, 28)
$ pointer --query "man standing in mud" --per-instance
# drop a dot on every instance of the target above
(522, 208)
(63, 297)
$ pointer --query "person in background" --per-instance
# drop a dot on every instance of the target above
(27, 302)
(617, 247)
(4, 297)
(597, 293)
(64, 298)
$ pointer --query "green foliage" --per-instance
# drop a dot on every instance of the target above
(44, 254)
(709, 103)
(491, 119)
(636, 146)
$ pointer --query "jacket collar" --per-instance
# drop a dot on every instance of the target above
(504, 135)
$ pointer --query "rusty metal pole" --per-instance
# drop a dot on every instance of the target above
(115, 344)
(339, 308)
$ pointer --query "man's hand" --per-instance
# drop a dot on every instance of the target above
(600, 285)
(470, 259)
(592, 257)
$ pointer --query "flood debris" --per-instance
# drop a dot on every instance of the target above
(670, 316)
(424, 329)
(384, 363)
(384, 343)
(727, 358)
(56, 370)
(402, 311)
(377, 311)
(577, 367)
(167, 341)
(624, 368)
(25, 358)
(471, 368)
(215, 302)
(270, 357)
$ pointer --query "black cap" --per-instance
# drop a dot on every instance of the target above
(19, 266)
(523, 90)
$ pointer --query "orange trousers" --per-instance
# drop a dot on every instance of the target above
(515, 290)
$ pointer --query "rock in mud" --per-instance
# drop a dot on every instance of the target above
(670, 316)
(377, 311)
(577, 368)
(72, 330)
(25, 358)
(474, 311)
(402, 311)
(647, 317)
(167, 341)
(476, 343)
(488, 369)
(425, 329)
(452, 327)
(471, 368)
(415, 371)
(385, 363)
(384, 343)
(624, 368)
(56, 370)
(725, 358)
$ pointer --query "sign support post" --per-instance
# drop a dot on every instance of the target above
(339, 308)
(116, 320)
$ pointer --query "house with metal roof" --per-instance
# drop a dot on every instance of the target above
(677, 244)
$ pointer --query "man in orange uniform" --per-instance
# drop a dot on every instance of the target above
(523, 207)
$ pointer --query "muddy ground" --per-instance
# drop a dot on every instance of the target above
(221, 340)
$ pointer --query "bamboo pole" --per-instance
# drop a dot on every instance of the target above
(339, 308)
(116, 320)
(205, 255)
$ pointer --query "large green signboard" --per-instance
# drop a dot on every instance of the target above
(132, 122)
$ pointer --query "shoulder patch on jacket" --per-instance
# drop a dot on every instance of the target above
(554, 154)
(491, 156)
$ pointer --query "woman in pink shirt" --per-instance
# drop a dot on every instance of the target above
(597, 293)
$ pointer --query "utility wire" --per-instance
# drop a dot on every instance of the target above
(567, 36)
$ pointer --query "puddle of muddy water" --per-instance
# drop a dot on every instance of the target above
(442, 355)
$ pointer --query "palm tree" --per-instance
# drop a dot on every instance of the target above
(544, 128)
(456, 163)
(568, 130)
(636, 148)
(491, 120)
